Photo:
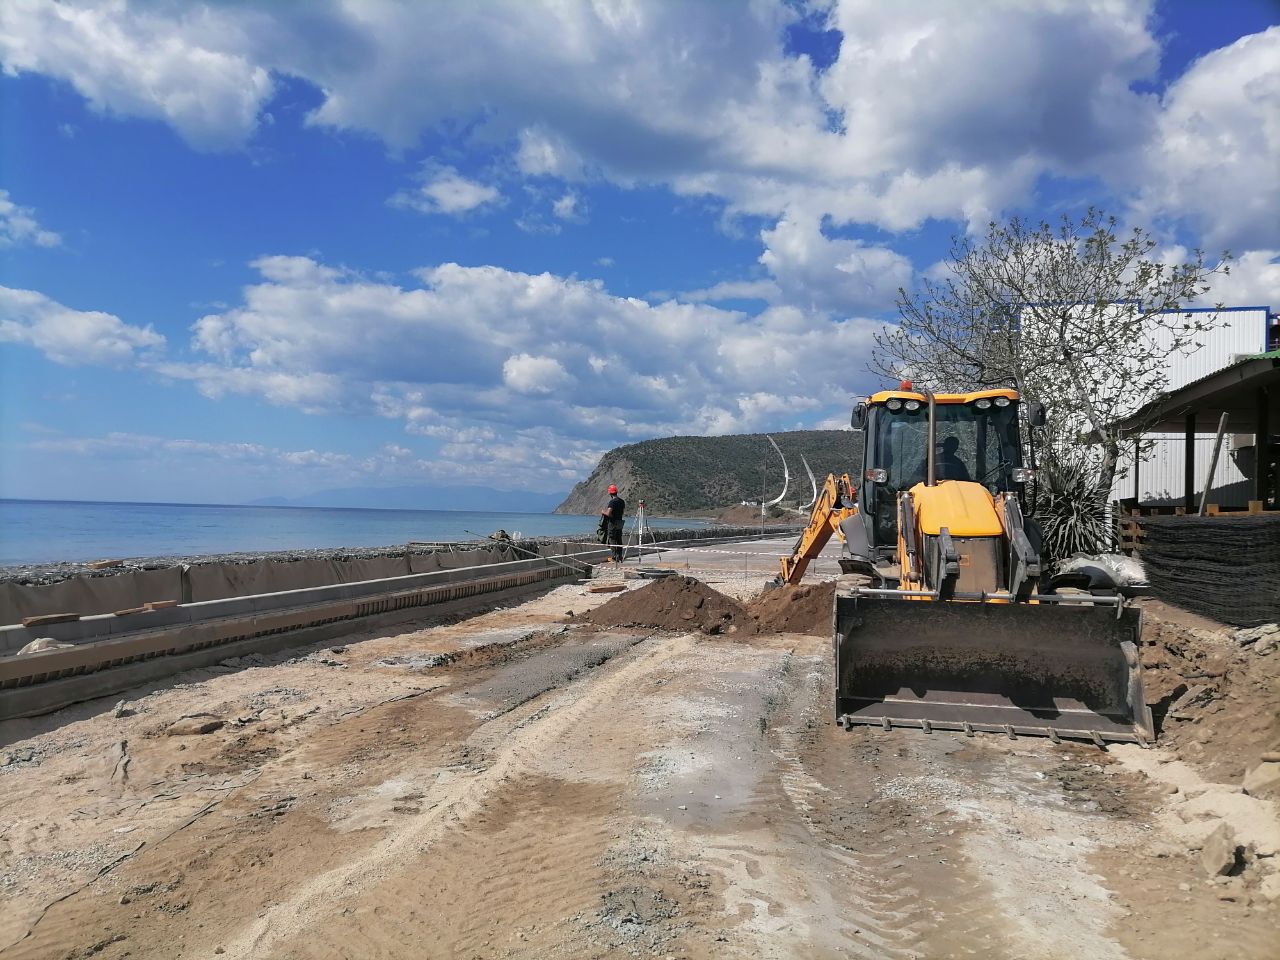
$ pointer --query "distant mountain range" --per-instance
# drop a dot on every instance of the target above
(422, 498)
(681, 475)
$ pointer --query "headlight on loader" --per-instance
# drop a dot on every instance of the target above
(1023, 474)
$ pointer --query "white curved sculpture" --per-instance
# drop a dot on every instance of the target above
(786, 475)
(813, 482)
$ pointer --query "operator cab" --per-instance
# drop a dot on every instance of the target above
(977, 439)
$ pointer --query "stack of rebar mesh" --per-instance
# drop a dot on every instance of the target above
(1224, 567)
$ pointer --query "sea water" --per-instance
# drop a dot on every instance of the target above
(49, 531)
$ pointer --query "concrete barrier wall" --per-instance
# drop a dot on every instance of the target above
(217, 581)
(98, 627)
(103, 655)
(88, 595)
(109, 591)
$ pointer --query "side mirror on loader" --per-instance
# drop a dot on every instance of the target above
(859, 419)
(1036, 416)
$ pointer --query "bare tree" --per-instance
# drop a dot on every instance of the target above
(1073, 316)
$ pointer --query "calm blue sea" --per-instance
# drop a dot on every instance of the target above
(48, 531)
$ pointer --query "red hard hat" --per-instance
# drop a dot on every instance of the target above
(613, 488)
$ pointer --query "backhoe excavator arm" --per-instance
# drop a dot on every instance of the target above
(834, 504)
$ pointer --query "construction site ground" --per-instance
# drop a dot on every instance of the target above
(533, 783)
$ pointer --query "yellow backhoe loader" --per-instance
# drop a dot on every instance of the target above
(940, 622)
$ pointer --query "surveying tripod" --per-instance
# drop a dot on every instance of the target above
(639, 530)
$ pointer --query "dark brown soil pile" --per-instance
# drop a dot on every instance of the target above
(675, 603)
(1215, 701)
(798, 609)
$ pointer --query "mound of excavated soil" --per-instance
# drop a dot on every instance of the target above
(1215, 699)
(795, 609)
(675, 603)
(683, 603)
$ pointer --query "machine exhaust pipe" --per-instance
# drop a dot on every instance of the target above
(931, 477)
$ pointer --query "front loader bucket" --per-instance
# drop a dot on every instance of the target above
(1035, 669)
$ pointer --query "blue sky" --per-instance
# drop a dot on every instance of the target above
(252, 250)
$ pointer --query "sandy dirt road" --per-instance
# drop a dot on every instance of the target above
(515, 786)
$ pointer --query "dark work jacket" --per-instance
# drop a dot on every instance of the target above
(617, 505)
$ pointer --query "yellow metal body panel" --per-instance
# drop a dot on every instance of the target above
(884, 395)
(965, 509)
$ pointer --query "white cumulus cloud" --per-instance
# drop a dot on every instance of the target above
(1254, 281)
(444, 190)
(189, 65)
(915, 119)
(930, 110)
(528, 374)
(18, 226)
(570, 207)
(1215, 157)
(936, 83)
(818, 272)
(499, 350)
(70, 336)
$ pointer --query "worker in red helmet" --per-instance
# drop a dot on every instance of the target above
(611, 522)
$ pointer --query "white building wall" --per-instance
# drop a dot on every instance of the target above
(1161, 476)
(1240, 332)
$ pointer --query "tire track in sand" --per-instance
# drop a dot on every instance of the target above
(883, 901)
(451, 802)
(516, 879)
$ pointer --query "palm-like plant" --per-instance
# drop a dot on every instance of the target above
(1072, 506)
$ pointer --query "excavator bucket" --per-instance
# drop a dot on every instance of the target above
(1034, 669)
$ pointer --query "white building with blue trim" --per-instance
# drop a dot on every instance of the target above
(1159, 476)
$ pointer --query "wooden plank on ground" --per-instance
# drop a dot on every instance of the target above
(47, 618)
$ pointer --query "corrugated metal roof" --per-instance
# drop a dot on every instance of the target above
(1271, 355)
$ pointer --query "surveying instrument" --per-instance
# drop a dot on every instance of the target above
(639, 530)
